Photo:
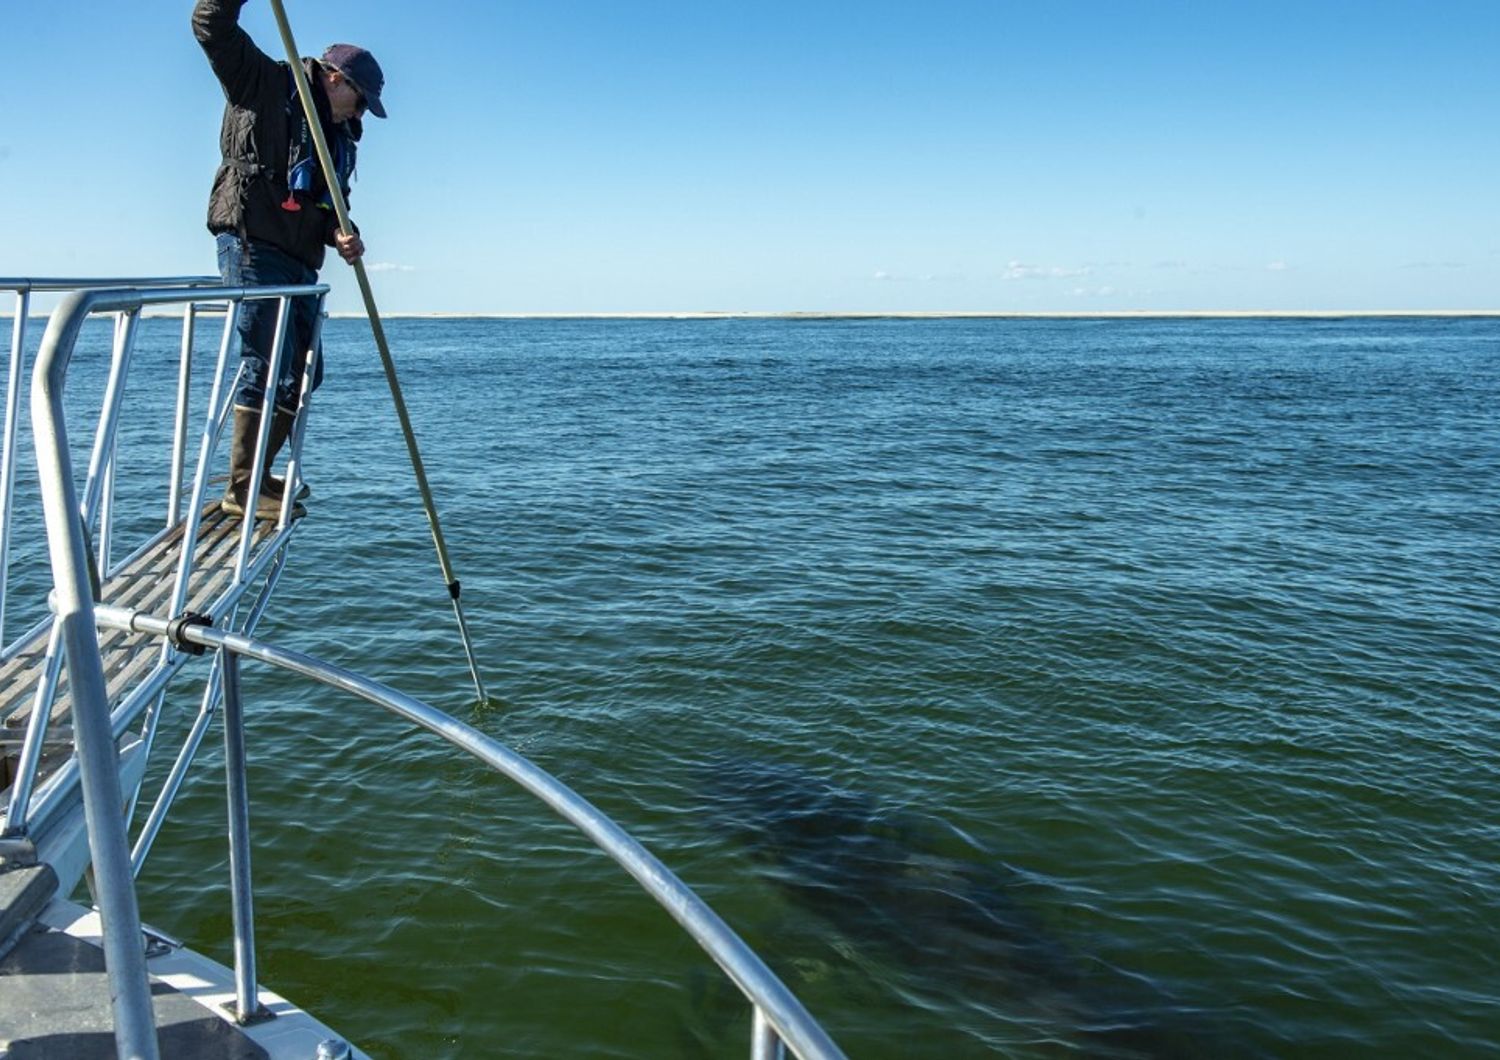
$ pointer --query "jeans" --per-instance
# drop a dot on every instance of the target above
(251, 263)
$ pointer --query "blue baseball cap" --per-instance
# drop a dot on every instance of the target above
(360, 67)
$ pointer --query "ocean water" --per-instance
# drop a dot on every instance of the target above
(1017, 688)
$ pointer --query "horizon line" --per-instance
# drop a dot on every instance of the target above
(937, 314)
(899, 314)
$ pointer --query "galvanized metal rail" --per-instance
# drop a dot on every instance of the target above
(23, 289)
(78, 574)
(229, 555)
(778, 1016)
(101, 715)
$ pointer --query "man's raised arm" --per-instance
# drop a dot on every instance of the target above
(239, 65)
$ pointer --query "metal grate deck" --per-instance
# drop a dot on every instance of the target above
(146, 585)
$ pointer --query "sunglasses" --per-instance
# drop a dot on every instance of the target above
(360, 103)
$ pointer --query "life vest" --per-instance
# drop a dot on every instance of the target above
(304, 179)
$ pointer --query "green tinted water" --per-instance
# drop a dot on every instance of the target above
(1017, 688)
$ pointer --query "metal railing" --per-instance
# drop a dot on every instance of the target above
(23, 289)
(93, 771)
(28, 810)
(778, 1017)
(779, 1021)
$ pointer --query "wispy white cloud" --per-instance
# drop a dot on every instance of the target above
(883, 276)
(1277, 266)
(389, 266)
(1017, 270)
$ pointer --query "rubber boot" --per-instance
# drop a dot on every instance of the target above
(241, 459)
(281, 430)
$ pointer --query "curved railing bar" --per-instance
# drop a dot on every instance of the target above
(792, 1022)
(52, 797)
(79, 619)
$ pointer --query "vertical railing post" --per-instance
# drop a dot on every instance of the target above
(179, 434)
(36, 736)
(299, 422)
(263, 436)
(764, 1042)
(105, 543)
(178, 772)
(109, 415)
(98, 765)
(8, 454)
(149, 729)
(247, 1005)
(218, 404)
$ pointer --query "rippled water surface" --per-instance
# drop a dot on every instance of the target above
(1018, 688)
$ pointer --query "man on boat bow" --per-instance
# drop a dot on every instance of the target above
(272, 214)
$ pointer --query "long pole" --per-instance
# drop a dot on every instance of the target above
(341, 208)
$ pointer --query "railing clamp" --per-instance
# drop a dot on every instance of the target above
(176, 625)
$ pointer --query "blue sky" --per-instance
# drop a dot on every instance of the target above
(609, 157)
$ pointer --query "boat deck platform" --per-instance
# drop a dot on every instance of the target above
(55, 991)
(145, 584)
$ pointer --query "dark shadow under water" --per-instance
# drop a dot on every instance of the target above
(929, 904)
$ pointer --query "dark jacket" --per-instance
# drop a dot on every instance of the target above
(261, 117)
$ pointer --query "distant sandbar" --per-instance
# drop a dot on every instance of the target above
(1128, 314)
(1119, 314)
